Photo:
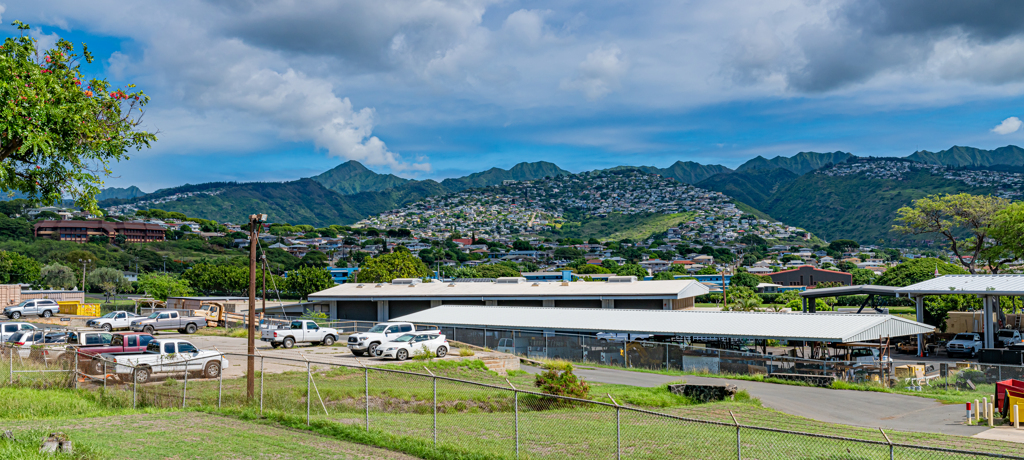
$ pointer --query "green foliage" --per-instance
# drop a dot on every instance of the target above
(664, 276)
(559, 380)
(57, 276)
(16, 268)
(209, 278)
(383, 269)
(631, 270)
(307, 280)
(953, 217)
(843, 245)
(863, 276)
(15, 228)
(916, 271)
(568, 254)
(160, 286)
(745, 279)
(708, 270)
(109, 280)
(501, 269)
(57, 138)
(591, 269)
(1008, 230)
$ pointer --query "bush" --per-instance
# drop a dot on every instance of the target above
(423, 354)
(465, 351)
(558, 379)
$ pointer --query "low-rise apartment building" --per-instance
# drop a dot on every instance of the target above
(81, 230)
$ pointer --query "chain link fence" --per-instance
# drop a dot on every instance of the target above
(459, 415)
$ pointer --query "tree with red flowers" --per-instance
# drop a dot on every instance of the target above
(59, 133)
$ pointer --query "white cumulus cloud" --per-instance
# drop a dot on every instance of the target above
(1009, 125)
(599, 73)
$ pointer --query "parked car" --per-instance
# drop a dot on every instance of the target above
(24, 340)
(164, 356)
(1007, 337)
(620, 336)
(121, 342)
(964, 344)
(168, 320)
(367, 342)
(114, 320)
(9, 329)
(410, 344)
(38, 307)
(299, 331)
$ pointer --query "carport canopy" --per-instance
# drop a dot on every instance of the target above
(870, 290)
(821, 327)
(988, 287)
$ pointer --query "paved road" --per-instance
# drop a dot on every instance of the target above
(861, 408)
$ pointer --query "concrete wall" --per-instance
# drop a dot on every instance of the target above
(60, 296)
(10, 294)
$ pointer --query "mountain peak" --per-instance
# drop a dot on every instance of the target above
(352, 177)
(801, 163)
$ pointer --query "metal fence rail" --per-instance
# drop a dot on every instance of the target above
(471, 417)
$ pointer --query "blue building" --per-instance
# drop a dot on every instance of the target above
(564, 275)
(342, 275)
(715, 279)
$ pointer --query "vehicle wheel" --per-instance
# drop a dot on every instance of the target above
(442, 351)
(275, 344)
(328, 341)
(372, 349)
(221, 324)
(212, 370)
(47, 313)
(97, 367)
(107, 327)
(357, 353)
(141, 375)
(15, 315)
(149, 330)
(401, 355)
(288, 342)
(190, 329)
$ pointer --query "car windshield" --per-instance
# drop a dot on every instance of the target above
(16, 337)
(404, 338)
(154, 315)
(861, 352)
(24, 302)
(1005, 333)
(109, 315)
(964, 337)
(379, 328)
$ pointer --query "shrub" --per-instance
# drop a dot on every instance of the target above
(558, 379)
(465, 351)
(423, 354)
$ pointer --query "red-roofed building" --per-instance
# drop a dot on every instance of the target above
(80, 230)
(594, 261)
(806, 275)
(463, 241)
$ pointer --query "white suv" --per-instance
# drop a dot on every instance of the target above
(9, 329)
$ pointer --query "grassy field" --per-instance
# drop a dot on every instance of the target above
(652, 225)
(472, 421)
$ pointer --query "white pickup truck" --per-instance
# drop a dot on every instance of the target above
(367, 342)
(299, 331)
(965, 344)
(114, 320)
(166, 356)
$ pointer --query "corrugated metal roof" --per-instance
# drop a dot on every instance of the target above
(665, 289)
(996, 285)
(849, 290)
(825, 327)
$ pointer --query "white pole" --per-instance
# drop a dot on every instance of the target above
(1016, 418)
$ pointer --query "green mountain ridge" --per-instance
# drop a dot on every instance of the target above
(688, 172)
(119, 193)
(969, 156)
(801, 163)
(495, 176)
(352, 177)
(751, 186)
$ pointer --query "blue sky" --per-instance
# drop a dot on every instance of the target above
(281, 89)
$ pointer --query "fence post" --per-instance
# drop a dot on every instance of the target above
(104, 374)
(366, 388)
(184, 389)
(1016, 418)
(434, 379)
(309, 395)
(135, 387)
(74, 371)
(10, 352)
(618, 429)
(888, 442)
(261, 384)
(739, 449)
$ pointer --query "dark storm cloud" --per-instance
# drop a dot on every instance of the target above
(864, 38)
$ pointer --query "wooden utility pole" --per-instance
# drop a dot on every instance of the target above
(255, 221)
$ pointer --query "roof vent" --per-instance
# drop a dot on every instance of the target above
(621, 279)
(536, 284)
(359, 285)
(451, 284)
(406, 281)
(565, 283)
(379, 285)
(511, 280)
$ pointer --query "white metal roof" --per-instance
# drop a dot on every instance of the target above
(664, 289)
(995, 285)
(825, 327)
(859, 289)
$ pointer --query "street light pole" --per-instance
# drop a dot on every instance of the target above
(255, 221)
(83, 261)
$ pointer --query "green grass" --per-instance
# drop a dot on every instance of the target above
(25, 446)
(651, 225)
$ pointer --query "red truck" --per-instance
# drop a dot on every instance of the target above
(121, 342)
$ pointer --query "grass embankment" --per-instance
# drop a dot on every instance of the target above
(472, 421)
(937, 390)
